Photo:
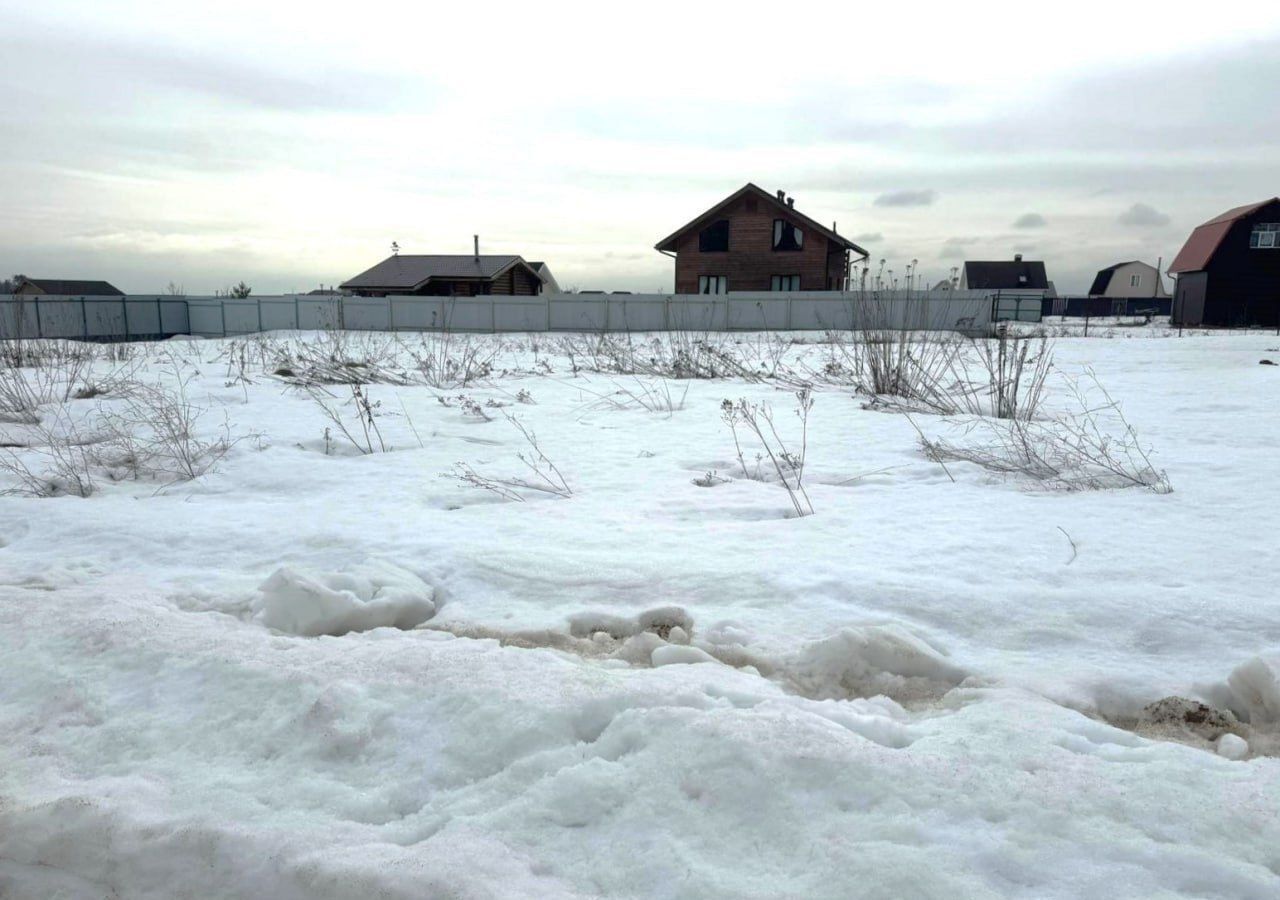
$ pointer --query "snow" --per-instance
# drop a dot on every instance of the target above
(311, 674)
(372, 596)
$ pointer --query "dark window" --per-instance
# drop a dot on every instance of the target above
(714, 238)
(786, 236)
(713, 284)
(1265, 236)
(784, 283)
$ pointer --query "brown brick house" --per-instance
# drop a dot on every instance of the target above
(757, 241)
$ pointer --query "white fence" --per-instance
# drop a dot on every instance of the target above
(150, 317)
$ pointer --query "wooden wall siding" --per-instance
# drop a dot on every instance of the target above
(751, 262)
(525, 283)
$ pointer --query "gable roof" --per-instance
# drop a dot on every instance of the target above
(1004, 275)
(1206, 238)
(668, 243)
(1102, 280)
(544, 272)
(73, 288)
(406, 272)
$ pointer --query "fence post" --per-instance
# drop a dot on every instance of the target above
(39, 326)
(790, 325)
(259, 315)
(222, 311)
(124, 310)
(84, 319)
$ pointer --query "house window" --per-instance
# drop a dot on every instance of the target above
(784, 283)
(1135, 280)
(713, 284)
(714, 238)
(1265, 236)
(786, 236)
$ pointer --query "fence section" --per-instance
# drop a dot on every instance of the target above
(93, 318)
(150, 317)
(1098, 307)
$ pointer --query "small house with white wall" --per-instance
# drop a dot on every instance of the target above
(1128, 279)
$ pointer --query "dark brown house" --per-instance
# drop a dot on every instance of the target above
(1229, 269)
(757, 241)
(447, 276)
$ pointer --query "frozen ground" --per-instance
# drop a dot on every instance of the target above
(647, 688)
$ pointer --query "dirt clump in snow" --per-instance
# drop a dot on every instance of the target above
(1179, 718)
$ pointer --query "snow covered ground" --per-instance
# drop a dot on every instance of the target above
(315, 672)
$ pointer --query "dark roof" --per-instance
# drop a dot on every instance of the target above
(1204, 240)
(75, 288)
(403, 272)
(668, 243)
(1003, 275)
(1102, 280)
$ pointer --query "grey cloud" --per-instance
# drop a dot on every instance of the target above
(907, 198)
(1030, 220)
(117, 74)
(954, 248)
(869, 237)
(1140, 215)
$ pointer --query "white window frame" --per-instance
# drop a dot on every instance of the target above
(786, 283)
(1135, 280)
(713, 284)
(1265, 236)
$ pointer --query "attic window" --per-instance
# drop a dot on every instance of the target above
(1135, 280)
(787, 236)
(714, 238)
(1265, 236)
(1022, 279)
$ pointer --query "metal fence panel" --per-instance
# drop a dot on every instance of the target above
(151, 316)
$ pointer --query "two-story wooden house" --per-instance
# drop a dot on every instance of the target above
(757, 241)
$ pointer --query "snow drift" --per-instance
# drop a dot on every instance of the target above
(372, 595)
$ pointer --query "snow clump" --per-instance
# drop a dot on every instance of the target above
(371, 595)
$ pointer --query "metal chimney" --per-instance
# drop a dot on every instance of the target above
(1017, 257)
(791, 202)
(476, 241)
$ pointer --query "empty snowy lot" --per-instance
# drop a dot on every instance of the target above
(534, 617)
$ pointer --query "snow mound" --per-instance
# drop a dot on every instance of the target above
(873, 660)
(1255, 692)
(371, 595)
(675, 654)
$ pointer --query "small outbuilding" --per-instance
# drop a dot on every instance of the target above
(62, 287)
(1228, 271)
(1128, 279)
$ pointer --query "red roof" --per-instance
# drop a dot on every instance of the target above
(1200, 247)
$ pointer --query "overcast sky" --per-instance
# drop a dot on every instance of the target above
(288, 144)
